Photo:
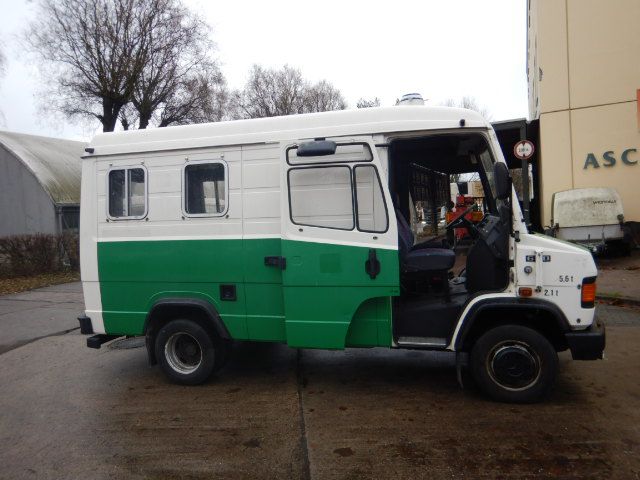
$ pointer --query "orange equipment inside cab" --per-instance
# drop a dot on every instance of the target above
(463, 202)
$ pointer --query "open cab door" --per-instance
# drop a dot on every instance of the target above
(339, 244)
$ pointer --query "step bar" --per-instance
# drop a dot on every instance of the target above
(427, 343)
(97, 340)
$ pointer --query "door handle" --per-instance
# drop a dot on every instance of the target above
(279, 262)
(372, 265)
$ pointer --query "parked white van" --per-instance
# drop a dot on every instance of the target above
(591, 217)
(294, 230)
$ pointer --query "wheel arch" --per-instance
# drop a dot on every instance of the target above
(540, 315)
(166, 309)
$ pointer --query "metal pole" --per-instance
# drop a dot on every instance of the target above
(525, 180)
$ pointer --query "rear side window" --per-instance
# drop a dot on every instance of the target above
(321, 197)
(127, 193)
(205, 189)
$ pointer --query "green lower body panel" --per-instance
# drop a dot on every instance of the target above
(330, 299)
(323, 299)
(371, 325)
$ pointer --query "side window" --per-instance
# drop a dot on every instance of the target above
(127, 193)
(205, 189)
(321, 197)
(372, 211)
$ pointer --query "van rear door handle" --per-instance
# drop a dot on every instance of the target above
(372, 265)
(279, 262)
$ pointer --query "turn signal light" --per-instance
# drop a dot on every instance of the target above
(525, 291)
(588, 298)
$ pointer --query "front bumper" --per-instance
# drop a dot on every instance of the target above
(587, 344)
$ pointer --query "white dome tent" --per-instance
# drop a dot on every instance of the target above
(39, 184)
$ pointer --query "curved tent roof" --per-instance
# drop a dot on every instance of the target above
(55, 163)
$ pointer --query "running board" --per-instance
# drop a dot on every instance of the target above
(97, 340)
(435, 343)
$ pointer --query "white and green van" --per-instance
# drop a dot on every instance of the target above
(295, 230)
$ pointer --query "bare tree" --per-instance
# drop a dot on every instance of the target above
(177, 67)
(201, 97)
(271, 92)
(470, 103)
(368, 102)
(93, 51)
(323, 97)
(103, 54)
(128, 116)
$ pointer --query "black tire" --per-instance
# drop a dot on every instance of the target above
(514, 364)
(187, 353)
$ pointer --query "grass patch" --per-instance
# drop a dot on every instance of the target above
(21, 284)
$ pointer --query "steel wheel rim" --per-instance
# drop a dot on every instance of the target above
(183, 353)
(514, 365)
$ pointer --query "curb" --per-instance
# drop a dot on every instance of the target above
(619, 300)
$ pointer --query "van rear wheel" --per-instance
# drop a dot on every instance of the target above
(187, 353)
(515, 364)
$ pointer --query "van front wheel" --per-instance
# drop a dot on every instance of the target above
(187, 353)
(516, 364)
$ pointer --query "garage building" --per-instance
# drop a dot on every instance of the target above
(584, 85)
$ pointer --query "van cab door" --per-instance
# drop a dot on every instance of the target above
(339, 246)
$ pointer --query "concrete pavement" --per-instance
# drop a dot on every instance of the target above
(70, 412)
(27, 316)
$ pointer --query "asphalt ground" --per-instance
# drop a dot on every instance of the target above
(67, 411)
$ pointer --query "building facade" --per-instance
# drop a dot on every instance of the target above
(583, 71)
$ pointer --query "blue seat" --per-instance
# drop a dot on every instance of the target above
(421, 257)
(429, 260)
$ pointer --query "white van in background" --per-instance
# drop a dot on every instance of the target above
(591, 217)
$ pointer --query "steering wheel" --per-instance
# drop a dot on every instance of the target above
(463, 222)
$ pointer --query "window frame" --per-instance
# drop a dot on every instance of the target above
(336, 162)
(126, 168)
(354, 187)
(183, 193)
(315, 166)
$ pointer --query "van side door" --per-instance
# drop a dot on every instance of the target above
(339, 252)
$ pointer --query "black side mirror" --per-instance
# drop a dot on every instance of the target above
(502, 179)
(317, 148)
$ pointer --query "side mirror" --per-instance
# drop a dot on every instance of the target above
(317, 148)
(502, 179)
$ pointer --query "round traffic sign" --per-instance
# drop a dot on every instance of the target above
(524, 149)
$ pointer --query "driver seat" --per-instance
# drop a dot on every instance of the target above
(426, 257)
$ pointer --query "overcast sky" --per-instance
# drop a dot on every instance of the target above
(439, 48)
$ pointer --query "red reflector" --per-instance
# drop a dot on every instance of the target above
(525, 291)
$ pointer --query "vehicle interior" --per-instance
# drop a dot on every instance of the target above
(453, 232)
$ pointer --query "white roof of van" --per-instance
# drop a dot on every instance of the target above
(292, 127)
(53, 161)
